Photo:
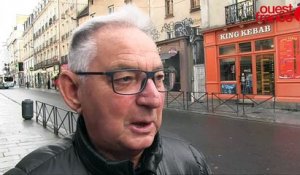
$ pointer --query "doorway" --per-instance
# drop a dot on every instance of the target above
(246, 81)
(257, 79)
(265, 74)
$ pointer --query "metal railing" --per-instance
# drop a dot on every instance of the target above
(257, 106)
(224, 103)
(239, 12)
(63, 122)
(263, 107)
(59, 120)
(175, 100)
(197, 101)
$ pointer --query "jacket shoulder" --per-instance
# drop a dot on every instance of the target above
(49, 159)
(180, 156)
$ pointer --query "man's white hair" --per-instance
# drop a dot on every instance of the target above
(83, 47)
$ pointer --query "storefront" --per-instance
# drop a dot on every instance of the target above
(37, 78)
(174, 54)
(257, 59)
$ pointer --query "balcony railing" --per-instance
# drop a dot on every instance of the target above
(240, 12)
(47, 63)
(38, 66)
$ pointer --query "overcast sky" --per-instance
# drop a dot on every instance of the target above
(8, 11)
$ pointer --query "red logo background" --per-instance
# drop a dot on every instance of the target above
(297, 13)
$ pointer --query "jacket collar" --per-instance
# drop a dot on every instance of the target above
(97, 164)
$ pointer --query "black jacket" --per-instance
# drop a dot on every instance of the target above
(75, 154)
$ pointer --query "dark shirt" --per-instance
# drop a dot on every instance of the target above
(76, 155)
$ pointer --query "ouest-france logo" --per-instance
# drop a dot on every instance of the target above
(277, 13)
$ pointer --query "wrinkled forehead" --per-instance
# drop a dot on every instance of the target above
(129, 47)
(146, 62)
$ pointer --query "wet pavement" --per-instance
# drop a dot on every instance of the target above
(18, 137)
(239, 146)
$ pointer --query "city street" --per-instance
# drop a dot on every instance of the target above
(232, 146)
(237, 146)
(47, 96)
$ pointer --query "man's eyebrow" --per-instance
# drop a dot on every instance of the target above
(159, 67)
(123, 67)
(126, 66)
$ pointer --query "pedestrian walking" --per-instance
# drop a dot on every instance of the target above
(48, 83)
(27, 84)
(55, 82)
(116, 84)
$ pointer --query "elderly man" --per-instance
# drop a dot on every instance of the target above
(116, 83)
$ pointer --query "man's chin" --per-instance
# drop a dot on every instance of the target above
(141, 143)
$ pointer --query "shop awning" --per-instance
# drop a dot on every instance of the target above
(165, 56)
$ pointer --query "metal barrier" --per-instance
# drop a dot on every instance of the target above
(228, 103)
(175, 99)
(197, 101)
(60, 120)
(263, 107)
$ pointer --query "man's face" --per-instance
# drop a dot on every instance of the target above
(121, 124)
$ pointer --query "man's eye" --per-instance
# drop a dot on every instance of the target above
(126, 79)
(159, 77)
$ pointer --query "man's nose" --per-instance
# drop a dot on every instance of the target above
(150, 96)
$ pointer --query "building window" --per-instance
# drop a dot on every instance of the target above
(169, 8)
(266, 44)
(195, 5)
(227, 69)
(227, 50)
(110, 9)
(127, 1)
(245, 47)
(170, 35)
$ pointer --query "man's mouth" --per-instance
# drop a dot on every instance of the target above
(142, 127)
(141, 124)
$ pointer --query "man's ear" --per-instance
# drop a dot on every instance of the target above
(68, 86)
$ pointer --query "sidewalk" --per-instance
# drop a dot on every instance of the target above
(40, 89)
(18, 137)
